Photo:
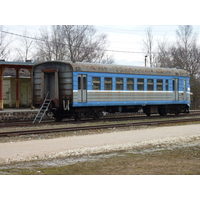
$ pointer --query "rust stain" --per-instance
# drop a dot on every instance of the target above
(91, 67)
(97, 67)
(49, 70)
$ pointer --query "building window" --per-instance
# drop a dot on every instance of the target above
(96, 83)
(159, 84)
(130, 84)
(150, 84)
(108, 84)
(140, 84)
(167, 85)
(119, 84)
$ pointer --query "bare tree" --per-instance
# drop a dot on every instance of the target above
(148, 43)
(73, 42)
(44, 47)
(24, 50)
(185, 37)
(163, 55)
(59, 48)
(184, 54)
(84, 44)
(4, 44)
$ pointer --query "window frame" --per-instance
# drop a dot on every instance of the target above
(159, 84)
(108, 84)
(96, 84)
(150, 85)
(140, 84)
(119, 83)
(166, 85)
(130, 84)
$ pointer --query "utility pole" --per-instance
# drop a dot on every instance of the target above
(145, 60)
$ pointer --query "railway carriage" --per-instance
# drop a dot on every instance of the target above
(83, 90)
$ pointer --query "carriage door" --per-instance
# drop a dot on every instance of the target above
(82, 88)
(50, 85)
(175, 89)
(185, 89)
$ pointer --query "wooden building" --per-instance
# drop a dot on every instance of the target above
(15, 84)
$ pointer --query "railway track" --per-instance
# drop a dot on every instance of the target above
(120, 117)
(147, 123)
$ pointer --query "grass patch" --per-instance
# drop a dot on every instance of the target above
(181, 160)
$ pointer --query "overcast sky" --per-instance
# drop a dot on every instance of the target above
(128, 40)
(125, 41)
(124, 22)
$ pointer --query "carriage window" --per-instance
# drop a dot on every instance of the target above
(96, 83)
(149, 84)
(108, 84)
(159, 84)
(84, 83)
(140, 84)
(79, 83)
(130, 84)
(167, 85)
(119, 83)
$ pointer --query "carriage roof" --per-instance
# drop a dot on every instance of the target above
(123, 69)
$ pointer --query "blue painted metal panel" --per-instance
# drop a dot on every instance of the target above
(125, 76)
(135, 76)
(128, 103)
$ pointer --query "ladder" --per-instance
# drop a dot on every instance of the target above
(42, 110)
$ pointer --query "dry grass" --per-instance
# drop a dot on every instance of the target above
(179, 160)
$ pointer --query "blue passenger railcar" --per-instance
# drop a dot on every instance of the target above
(86, 89)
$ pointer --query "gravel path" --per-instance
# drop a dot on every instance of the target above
(97, 143)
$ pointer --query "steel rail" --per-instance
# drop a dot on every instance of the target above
(148, 123)
(102, 119)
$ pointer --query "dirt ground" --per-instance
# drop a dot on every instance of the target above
(96, 143)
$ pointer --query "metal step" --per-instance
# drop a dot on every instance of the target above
(42, 110)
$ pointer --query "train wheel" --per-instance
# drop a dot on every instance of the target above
(95, 117)
(49, 114)
(148, 114)
(59, 119)
(176, 113)
(162, 112)
(96, 114)
(147, 111)
(77, 116)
